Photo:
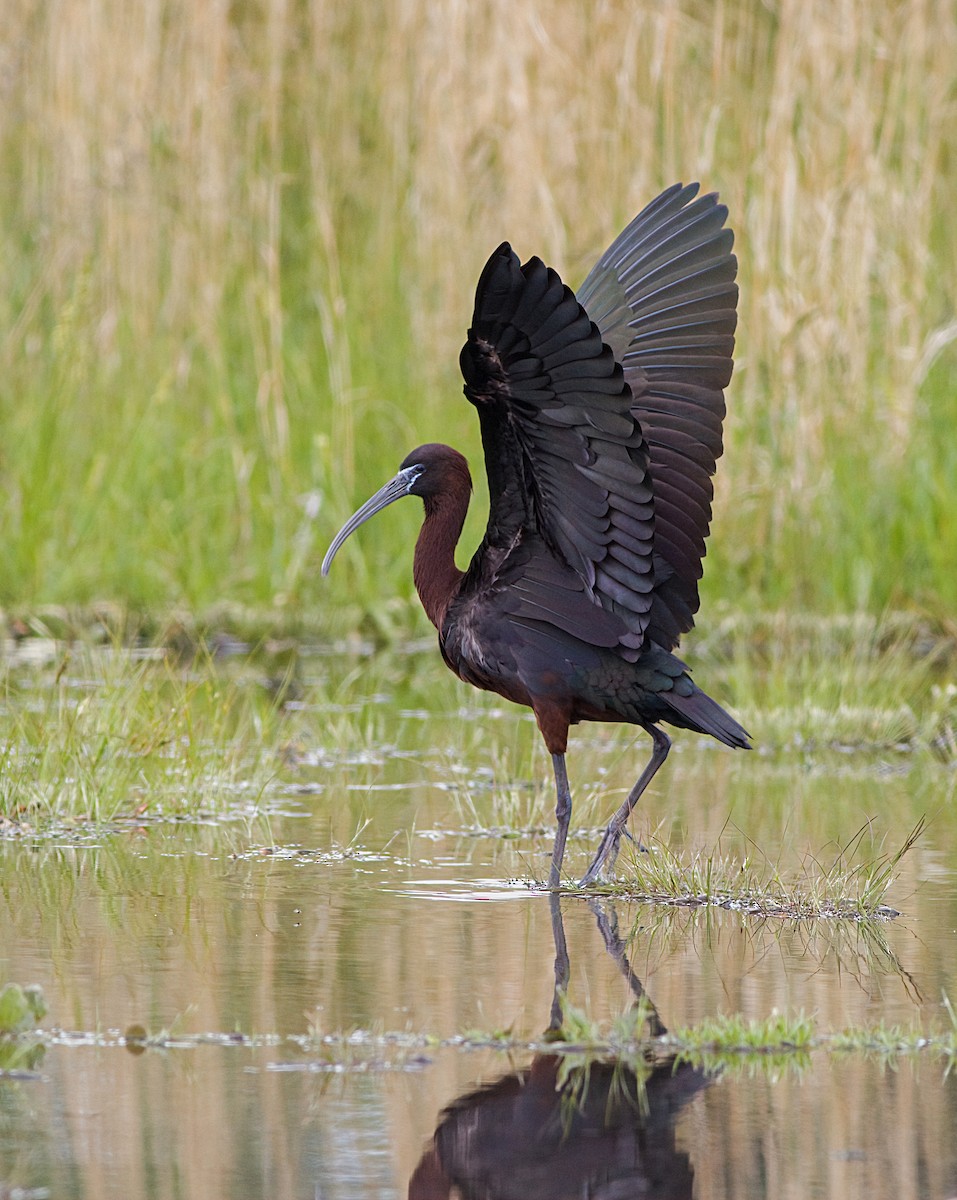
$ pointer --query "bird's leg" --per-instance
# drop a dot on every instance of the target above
(562, 966)
(563, 813)
(608, 848)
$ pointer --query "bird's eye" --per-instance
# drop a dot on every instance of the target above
(412, 474)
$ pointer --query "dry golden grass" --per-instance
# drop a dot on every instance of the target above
(268, 219)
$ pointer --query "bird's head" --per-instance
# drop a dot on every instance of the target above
(429, 472)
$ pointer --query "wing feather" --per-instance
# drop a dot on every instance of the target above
(562, 444)
(602, 418)
(664, 298)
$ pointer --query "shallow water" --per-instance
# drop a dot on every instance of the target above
(192, 969)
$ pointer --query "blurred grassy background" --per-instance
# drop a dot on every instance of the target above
(240, 244)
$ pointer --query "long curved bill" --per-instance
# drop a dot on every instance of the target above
(395, 489)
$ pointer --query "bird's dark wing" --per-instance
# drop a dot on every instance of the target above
(564, 454)
(663, 296)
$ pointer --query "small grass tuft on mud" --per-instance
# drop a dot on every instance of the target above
(843, 889)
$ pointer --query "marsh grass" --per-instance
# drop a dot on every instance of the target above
(733, 1040)
(840, 889)
(94, 729)
(845, 682)
(725, 1042)
(107, 732)
(240, 247)
(775, 1034)
(728, 1045)
(729, 1042)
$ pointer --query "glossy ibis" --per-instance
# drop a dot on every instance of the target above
(559, 1128)
(601, 423)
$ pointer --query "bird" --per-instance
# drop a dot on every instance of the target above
(601, 418)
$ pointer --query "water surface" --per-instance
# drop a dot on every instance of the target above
(371, 895)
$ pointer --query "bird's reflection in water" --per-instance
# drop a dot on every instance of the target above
(603, 1130)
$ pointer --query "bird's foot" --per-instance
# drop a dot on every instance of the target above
(603, 864)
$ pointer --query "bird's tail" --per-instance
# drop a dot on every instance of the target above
(704, 715)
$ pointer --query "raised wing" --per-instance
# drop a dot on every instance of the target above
(663, 297)
(564, 454)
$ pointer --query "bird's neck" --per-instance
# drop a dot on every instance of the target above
(437, 578)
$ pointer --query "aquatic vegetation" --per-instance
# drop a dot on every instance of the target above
(21, 1008)
(753, 885)
(103, 733)
(776, 1033)
(722, 1041)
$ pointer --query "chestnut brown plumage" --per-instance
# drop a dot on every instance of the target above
(601, 423)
